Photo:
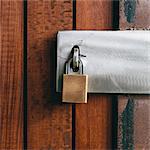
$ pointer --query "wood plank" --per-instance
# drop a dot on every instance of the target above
(11, 74)
(134, 111)
(134, 14)
(49, 121)
(93, 120)
(134, 122)
(93, 15)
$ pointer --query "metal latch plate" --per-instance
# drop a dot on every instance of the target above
(116, 61)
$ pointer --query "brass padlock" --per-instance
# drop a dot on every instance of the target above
(75, 83)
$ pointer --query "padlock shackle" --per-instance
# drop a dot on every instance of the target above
(69, 69)
(74, 61)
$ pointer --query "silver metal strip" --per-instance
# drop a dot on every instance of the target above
(116, 61)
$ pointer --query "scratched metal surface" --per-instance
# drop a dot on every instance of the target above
(116, 62)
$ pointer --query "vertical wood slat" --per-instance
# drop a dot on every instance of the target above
(134, 111)
(49, 121)
(11, 74)
(134, 122)
(134, 14)
(93, 120)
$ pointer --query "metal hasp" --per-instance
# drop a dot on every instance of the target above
(116, 61)
(74, 64)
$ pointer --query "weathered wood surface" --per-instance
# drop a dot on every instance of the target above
(11, 75)
(93, 120)
(134, 122)
(49, 121)
(134, 111)
(134, 14)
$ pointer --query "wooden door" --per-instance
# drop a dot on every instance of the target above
(31, 113)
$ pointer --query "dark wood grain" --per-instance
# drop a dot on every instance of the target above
(11, 75)
(93, 120)
(49, 121)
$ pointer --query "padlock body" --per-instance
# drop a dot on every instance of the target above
(75, 88)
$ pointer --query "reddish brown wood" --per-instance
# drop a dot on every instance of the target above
(11, 74)
(93, 120)
(93, 15)
(49, 121)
